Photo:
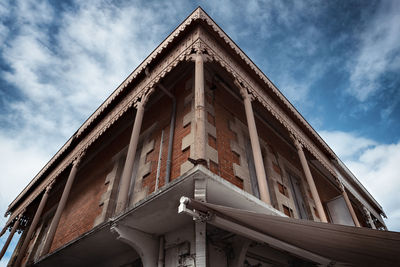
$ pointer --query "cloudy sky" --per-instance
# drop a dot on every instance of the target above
(338, 62)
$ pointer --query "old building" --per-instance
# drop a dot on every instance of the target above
(197, 159)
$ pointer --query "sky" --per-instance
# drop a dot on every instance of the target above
(338, 62)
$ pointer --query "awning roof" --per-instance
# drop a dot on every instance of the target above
(338, 243)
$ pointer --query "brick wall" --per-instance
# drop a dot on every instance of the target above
(83, 204)
(227, 108)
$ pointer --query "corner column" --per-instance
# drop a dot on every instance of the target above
(14, 228)
(32, 228)
(349, 206)
(255, 145)
(61, 205)
(123, 194)
(199, 109)
(310, 179)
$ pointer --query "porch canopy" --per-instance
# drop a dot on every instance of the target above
(322, 243)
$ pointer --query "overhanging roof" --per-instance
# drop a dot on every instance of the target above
(339, 243)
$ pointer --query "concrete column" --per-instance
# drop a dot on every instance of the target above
(349, 206)
(255, 146)
(33, 225)
(200, 227)
(200, 138)
(126, 177)
(61, 205)
(7, 243)
(310, 179)
(369, 218)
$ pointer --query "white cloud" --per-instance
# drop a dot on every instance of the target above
(375, 165)
(19, 163)
(61, 76)
(378, 53)
(347, 145)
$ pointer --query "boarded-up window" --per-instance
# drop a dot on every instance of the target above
(286, 210)
(338, 211)
(282, 189)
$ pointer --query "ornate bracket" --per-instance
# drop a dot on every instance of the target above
(144, 98)
(78, 158)
(244, 92)
(366, 213)
(341, 186)
(296, 142)
(199, 50)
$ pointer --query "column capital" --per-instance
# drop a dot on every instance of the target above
(366, 211)
(368, 217)
(50, 185)
(78, 159)
(143, 99)
(296, 142)
(243, 91)
(199, 54)
(367, 214)
(341, 186)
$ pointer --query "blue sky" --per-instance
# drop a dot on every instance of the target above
(338, 62)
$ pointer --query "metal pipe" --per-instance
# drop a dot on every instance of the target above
(171, 133)
(159, 160)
